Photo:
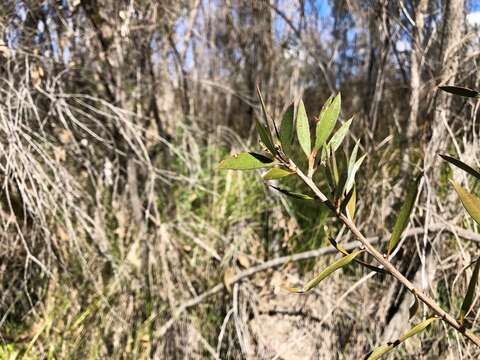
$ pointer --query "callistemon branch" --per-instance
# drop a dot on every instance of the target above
(383, 260)
(340, 176)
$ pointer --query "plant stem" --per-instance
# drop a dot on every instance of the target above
(388, 266)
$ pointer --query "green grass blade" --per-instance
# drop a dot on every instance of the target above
(470, 202)
(327, 120)
(461, 165)
(470, 295)
(404, 215)
(303, 129)
(245, 161)
(457, 90)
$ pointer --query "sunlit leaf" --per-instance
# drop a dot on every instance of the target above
(352, 172)
(404, 215)
(327, 120)
(276, 173)
(353, 157)
(346, 252)
(470, 295)
(382, 350)
(303, 129)
(461, 165)
(328, 271)
(351, 204)
(470, 202)
(338, 137)
(245, 161)
(293, 194)
(286, 129)
(346, 200)
(457, 90)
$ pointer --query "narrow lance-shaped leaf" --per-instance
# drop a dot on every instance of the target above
(264, 110)
(342, 178)
(293, 194)
(265, 137)
(303, 129)
(327, 120)
(353, 156)
(334, 167)
(276, 173)
(404, 215)
(470, 295)
(245, 161)
(382, 350)
(470, 202)
(328, 271)
(457, 90)
(346, 252)
(286, 129)
(346, 199)
(338, 137)
(461, 165)
(352, 172)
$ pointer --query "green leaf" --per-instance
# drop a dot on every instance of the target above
(352, 172)
(303, 129)
(245, 161)
(353, 157)
(461, 165)
(276, 173)
(470, 295)
(327, 120)
(382, 350)
(470, 202)
(404, 215)
(293, 194)
(457, 90)
(338, 137)
(286, 129)
(342, 173)
(328, 271)
(265, 137)
(346, 252)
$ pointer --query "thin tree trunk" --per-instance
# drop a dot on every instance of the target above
(416, 57)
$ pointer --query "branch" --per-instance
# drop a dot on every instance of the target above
(388, 266)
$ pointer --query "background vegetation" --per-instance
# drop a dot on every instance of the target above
(121, 239)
